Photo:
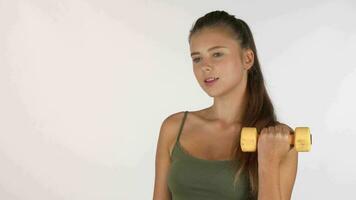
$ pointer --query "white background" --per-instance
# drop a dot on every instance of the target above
(85, 86)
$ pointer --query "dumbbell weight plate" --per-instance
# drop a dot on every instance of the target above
(303, 139)
(248, 139)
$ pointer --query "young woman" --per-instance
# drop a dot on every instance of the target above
(198, 152)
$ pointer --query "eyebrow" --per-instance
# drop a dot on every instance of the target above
(215, 47)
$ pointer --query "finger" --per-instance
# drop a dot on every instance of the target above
(278, 130)
(263, 130)
(271, 130)
(289, 128)
(286, 130)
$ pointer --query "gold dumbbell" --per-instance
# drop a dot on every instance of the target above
(301, 139)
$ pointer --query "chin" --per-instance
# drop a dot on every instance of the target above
(212, 94)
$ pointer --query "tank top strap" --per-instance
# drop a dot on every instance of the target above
(181, 125)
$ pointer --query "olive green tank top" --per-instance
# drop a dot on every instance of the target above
(193, 178)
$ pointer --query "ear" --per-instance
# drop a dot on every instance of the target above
(248, 58)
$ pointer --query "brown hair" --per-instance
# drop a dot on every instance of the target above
(259, 111)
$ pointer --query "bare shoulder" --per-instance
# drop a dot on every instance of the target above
(171, 123)
(167, 133)
(170, 128)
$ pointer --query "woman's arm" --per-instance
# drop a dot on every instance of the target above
(278, 164)
(269, 182)
(162, 161)
(167, 136)
(276, 181)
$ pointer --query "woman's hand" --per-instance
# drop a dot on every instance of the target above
(273, 144)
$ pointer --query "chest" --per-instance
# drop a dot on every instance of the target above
(207, 143)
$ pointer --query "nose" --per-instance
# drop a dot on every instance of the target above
(206, 66)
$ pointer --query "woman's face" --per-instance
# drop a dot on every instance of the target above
(224, 62)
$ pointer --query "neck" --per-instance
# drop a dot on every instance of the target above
(228, 109)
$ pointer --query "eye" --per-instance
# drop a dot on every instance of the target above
(220, 54)
(195, 59)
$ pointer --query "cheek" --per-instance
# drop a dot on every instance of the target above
(196, 72)
(232, 68)
(233, 73)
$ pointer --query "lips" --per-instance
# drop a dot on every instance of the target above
(210, 79)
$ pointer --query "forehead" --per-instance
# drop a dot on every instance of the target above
(209, 37)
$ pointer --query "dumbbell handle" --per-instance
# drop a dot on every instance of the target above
(291, 138)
